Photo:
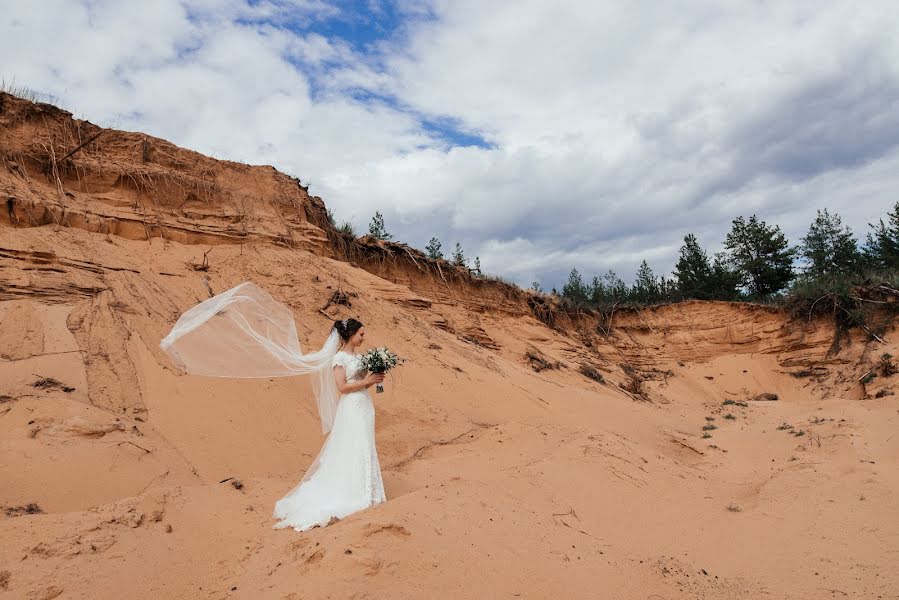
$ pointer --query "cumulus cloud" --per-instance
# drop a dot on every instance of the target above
(542, 136)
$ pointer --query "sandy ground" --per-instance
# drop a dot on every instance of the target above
(120, 477)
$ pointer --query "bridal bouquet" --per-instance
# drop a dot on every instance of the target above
(379, 360)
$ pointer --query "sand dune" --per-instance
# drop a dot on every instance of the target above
(507, 476)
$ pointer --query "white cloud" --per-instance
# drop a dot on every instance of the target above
(614, 127)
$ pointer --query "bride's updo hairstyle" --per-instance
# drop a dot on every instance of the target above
(347, 328)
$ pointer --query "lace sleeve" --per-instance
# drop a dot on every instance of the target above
(338, 361)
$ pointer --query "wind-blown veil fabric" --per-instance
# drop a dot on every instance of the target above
(244, 332)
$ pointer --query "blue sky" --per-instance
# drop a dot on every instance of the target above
(542, 136)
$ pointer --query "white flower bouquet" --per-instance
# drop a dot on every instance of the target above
(379, 360)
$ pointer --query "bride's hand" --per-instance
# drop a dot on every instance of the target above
(373, 378)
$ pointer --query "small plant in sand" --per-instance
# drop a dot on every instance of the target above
(434, 249)
(706, 435)
(27, 509)
(730, 417)
(590, 371)
(784, 426)
(887, 366)
(709, 427)
(346, 228)
(459, 256)
(733, 507)
(378, 229)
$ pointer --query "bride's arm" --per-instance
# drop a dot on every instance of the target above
(347, 388)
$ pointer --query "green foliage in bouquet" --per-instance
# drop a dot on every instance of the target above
(379, 360)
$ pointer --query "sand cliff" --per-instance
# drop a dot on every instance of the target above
(527, 452)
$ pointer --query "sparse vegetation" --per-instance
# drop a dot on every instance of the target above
(49, 383)
(733, 508)
(886, 366)
(730, 417)
(589, 371)
(709, 427)
(26, 93)
(28, 509)
(706, 435)
(730, 402)
(346, 228)
(539, 361)
(784, 426)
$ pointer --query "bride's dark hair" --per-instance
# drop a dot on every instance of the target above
(347, 328)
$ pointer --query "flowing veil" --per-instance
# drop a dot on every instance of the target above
(244, 332)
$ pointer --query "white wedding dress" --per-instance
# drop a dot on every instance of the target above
(245, 332)
(346, 475)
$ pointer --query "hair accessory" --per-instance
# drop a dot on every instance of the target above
(344, 322)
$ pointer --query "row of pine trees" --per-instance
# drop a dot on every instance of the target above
(758, 263)
(378, 229)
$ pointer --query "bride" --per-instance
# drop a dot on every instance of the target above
(346, 476)
(244, 332)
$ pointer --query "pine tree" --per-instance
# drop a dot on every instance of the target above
(596, 291)
(646, 287)
(377, 228)
(612, 290)
(693, 271)
(882, 246)
(667, 289)
(829, 248)
(723, 280)
(536, 287)
(574, 290)
(433, 249)
(459, 257)
(761, 255)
